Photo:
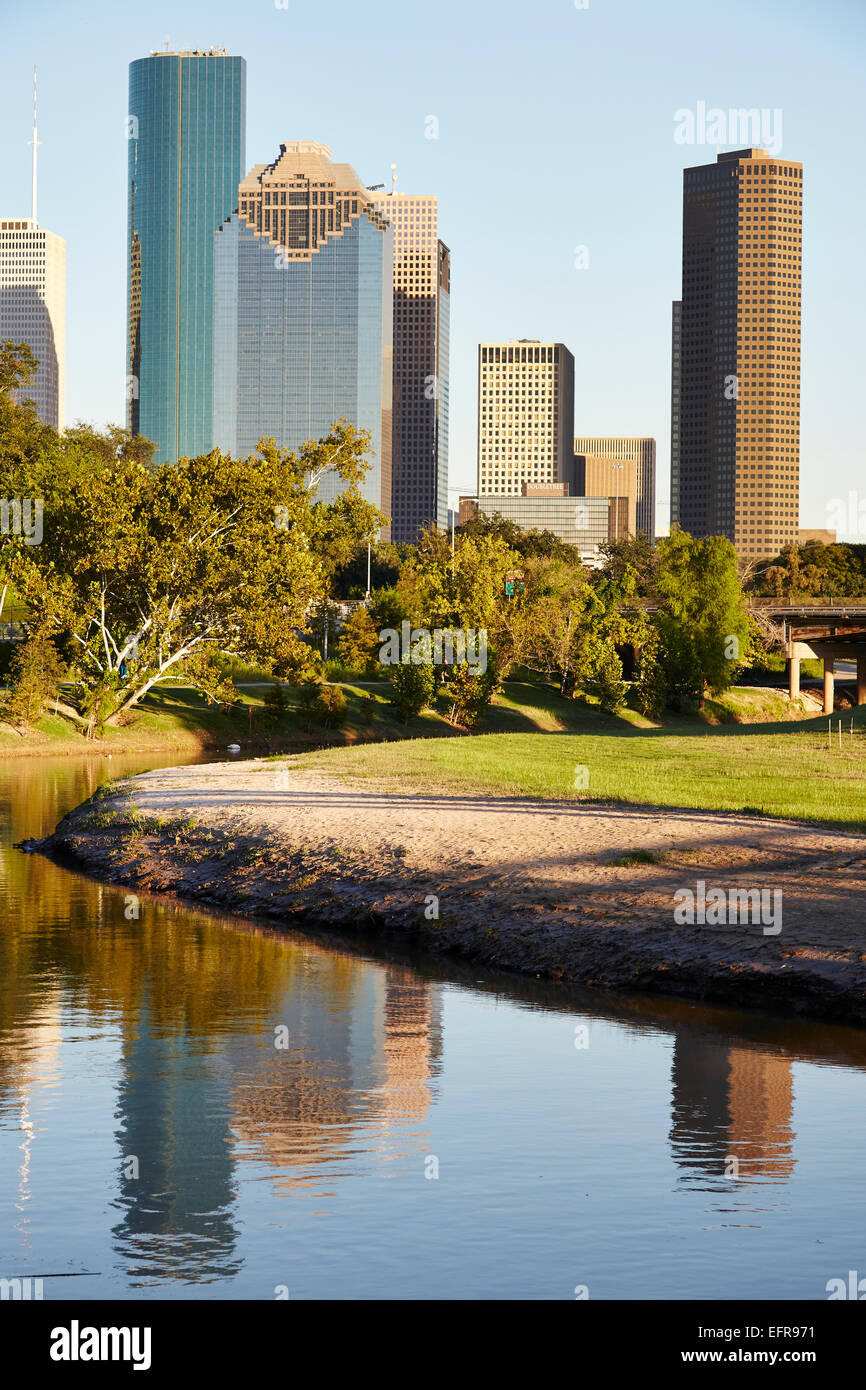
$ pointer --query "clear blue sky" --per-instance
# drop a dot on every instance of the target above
(556, 130)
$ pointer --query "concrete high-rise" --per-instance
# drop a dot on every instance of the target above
(303, 311)
(33, 309)
(624, 470)
(525, 417)
(186, 135)
(422, 299)
(738, 465)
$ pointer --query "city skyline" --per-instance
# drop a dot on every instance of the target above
(615, 310)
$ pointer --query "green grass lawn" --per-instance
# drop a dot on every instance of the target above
(783, 769)
(533, 745)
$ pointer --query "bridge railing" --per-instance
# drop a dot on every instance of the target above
(791, 604)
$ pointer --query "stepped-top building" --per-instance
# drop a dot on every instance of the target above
(303, 312)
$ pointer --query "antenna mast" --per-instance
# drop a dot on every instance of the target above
(35, 142)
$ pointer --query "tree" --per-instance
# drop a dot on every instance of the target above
(470, 692)
(703, 620)
(413, 689)
(143, 569)
(635, 553)
(651, 687)
(465, 589)
(359, 642)
(37, 671)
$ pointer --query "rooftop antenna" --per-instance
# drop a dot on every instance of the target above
(35, 142)
(393, 179)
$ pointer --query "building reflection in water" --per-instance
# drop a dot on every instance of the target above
(364, 1063)
(364, 1041)
(730, 1103)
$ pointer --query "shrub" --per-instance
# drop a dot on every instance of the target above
(470, 694)
(414, 688)
(330, 707)
(36, 672)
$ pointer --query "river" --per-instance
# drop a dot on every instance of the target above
(194, 1107)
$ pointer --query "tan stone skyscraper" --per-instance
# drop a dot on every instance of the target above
(738, 466)
(33, 309)
(624, 470)
(422, 316)
(525, 417)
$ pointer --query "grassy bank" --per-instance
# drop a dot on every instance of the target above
(783, 769)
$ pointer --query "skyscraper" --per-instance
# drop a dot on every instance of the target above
(422, 298)
(33, 309)
(303, 293)
(676, 405)
(186, 129)
(625, 471)
(525, 416)
(738, 464)
(33, 300)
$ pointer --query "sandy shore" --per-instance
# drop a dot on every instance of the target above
(532, 886)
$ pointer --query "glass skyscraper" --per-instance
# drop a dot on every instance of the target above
(303, 313)
(186, 130)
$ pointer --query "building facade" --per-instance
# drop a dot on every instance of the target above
(739, 459)
(303, 313)
(33, 309)
(422, 316)
(525, 416)
(186, 129)
(676, 406)
(580, 521)
(625, 471)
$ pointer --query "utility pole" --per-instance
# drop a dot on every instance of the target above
(368, 570)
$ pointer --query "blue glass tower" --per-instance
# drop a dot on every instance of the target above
(186, 128)
(303, 314)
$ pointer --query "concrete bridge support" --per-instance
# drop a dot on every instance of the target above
(793, 678)
(861, 678)
(829, 683)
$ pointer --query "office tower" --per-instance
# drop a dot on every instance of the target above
(422, 298)
(525, 416)
(740, 365)
(33, 309)
(625, 471)
(33, 300)
(186, 129)
(676, 406)
(303, 295)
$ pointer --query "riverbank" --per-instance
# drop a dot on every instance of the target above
(177, 719)
(569, 890)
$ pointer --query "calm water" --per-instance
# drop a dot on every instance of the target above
(152, 1133)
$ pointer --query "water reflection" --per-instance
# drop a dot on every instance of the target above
(731, 1113)
(164, 1032)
